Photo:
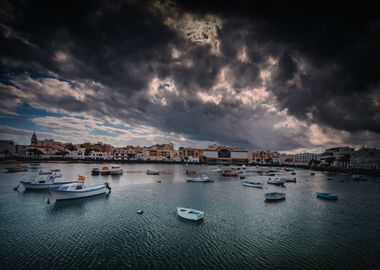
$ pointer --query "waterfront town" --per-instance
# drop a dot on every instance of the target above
(47, 149)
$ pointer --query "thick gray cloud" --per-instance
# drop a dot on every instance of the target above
(258, 80)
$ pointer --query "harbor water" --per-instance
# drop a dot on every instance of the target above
(240, 230)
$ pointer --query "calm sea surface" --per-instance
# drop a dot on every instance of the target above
(240, 230)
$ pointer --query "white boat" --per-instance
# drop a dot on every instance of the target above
(44, 182)
(274, 196)
(50, 172)
(190, 214)
(149, 172)
(276, 182)
(116, 170)
(202, 178)
(252, 184)
(216, 170)
(78, 190)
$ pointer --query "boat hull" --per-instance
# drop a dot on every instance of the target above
(60, 195)
(29, 185)
(252, 185)
(186, 214)
(327, 196)
(117, 172)
(273, 197)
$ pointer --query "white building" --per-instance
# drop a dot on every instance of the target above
(305, 158)
(77, 154)
(100, 155)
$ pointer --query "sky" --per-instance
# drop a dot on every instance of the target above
(193, 73)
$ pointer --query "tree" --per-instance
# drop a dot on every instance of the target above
(87, 152)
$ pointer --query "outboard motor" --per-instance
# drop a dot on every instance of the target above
(108, 186)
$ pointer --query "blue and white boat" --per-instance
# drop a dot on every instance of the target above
(274, 196)
(190, 214)
(326, 196)
(78, 190)
(44, 182)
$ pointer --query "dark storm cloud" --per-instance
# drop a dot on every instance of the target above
(327, 69)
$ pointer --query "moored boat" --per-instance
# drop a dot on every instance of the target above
(16, 168)
(203, 178)
(95, 171)
(358, 178)
(105, 170)
(312, 173)
(78, 190)
(116, 170)
(216, 170)
(274, 196)
(327, 196)
(190, 214)
(44, 182)
(229, 173)
(252, 184)
(150, 172)
(276, 182)
(289, 180)
(293, 173)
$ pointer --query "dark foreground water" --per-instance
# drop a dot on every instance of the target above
(240, 230)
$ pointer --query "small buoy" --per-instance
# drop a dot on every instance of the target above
(48, 201)
(140, 212)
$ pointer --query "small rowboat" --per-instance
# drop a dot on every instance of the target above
(289, 180)
(190, 214)
(327, 196)
(229, 174)
(274, 196)
(252, 184)
(202, 179)
(149, 172)
(276, 182)
(17, 168)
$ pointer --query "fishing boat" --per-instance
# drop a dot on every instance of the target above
(95, 171)
(276, 182)
(229, 173)
(252, 184)
(327, 196)
(44, 182)
(190, 214)
(202, 179)
(358, 178)
(78, 190)
(105, 170)
(149, 172)
(274, 196)
(116, 170)
(17, 168)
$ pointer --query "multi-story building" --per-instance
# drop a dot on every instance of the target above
(162, 152)
(286, 159)
(366, 159)
(218, 154)
(189, 154)
(305, 158)
(337, 157)
(262, 157)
